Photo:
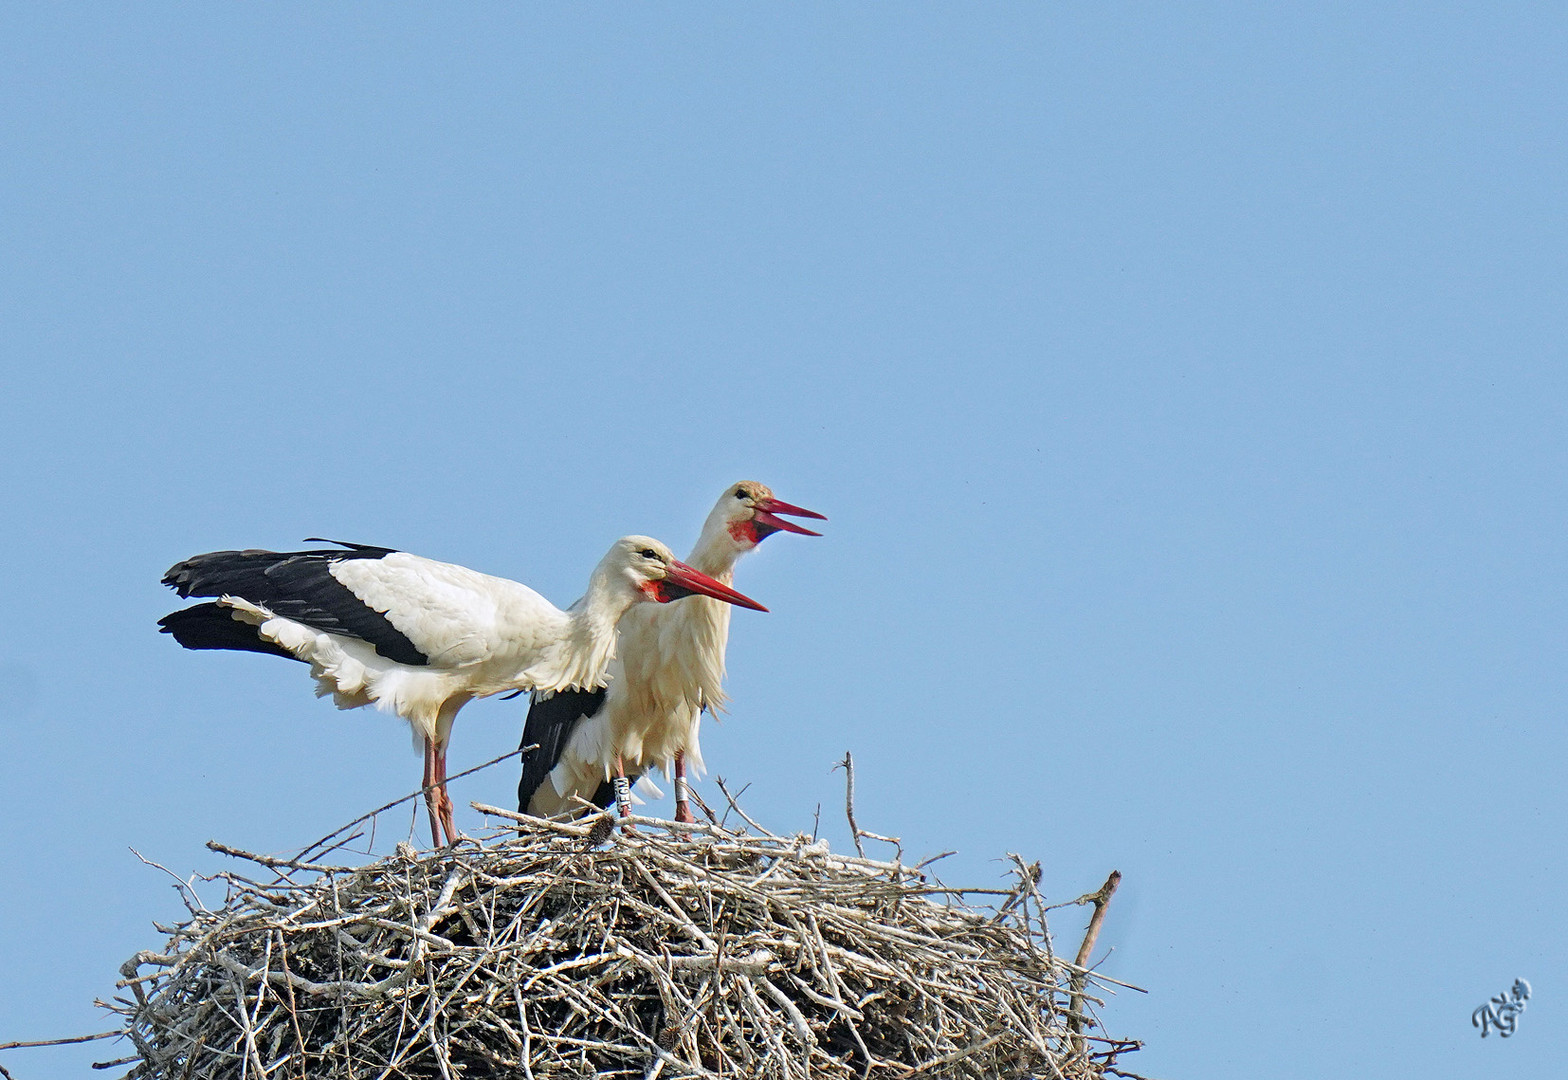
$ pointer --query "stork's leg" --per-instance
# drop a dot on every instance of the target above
(443, 799)
(682, 800)
(623, 789)
(432, 798)
(443, 735)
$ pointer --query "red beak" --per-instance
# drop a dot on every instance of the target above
(681, 580)
(768, 509)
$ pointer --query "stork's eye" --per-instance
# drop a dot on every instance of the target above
(742, 493)
(648, 553)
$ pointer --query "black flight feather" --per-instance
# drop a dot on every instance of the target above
(551, 721)
(209, 626)
(296, 585)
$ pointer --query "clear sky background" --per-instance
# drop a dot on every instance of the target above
(1184, 383)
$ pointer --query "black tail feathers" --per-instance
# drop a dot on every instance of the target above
(210, 626)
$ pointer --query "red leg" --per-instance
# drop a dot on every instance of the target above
(432, 798)
(446, 801)
(682, 802)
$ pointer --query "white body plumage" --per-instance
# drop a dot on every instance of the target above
(668, 670)
(483, 635)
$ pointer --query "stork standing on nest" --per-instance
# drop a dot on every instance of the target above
(421, 638)
(669, 669)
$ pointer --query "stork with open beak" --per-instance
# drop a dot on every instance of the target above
(421, 638)
(670, 668)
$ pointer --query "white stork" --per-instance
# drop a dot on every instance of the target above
(421, 638)
(669, 669)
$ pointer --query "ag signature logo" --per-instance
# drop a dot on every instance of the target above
(1502, 1012)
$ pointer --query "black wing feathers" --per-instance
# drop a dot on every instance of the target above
(378, 551)
(208, 626)
(297, 585)
(550, 723)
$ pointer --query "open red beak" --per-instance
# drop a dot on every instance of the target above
(681, 580)
(769, 509)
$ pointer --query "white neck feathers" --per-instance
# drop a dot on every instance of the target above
(580, 659)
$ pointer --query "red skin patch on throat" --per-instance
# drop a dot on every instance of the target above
(745, 532)
(652, 590)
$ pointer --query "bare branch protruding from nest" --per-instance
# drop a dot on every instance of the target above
(1101, 900)
(848, 765)
(63, 1042)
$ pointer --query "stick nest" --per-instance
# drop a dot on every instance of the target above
(562, 951)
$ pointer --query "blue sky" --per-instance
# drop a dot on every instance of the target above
(1184, 384)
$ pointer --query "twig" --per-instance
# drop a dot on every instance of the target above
(923, 863)
(272, 863)
(702, 806)
(848, 765)
(63, 1042)
(116, 1062)
(187, 894)
(299, 1036)
(736, 806)
(1101, 900)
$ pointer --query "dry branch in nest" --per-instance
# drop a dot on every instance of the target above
(553, 951)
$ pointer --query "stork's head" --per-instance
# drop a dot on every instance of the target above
(657, 575)
(747, 513)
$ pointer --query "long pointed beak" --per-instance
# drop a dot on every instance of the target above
(681, 580)
(769, 509)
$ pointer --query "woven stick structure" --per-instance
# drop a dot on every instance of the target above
(551, 951)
